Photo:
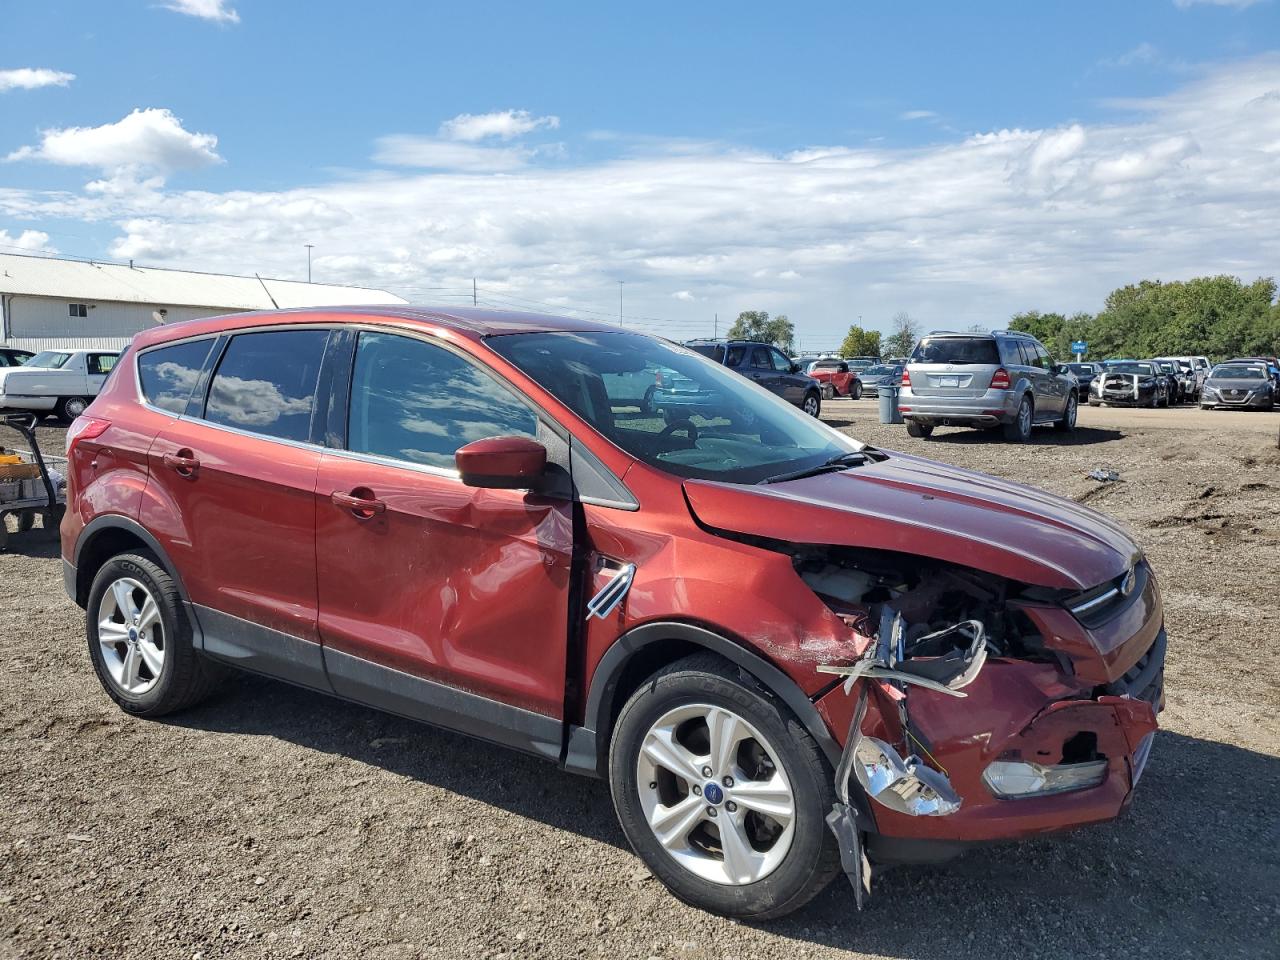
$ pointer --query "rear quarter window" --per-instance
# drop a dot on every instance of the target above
(167, 375)
(956, 350)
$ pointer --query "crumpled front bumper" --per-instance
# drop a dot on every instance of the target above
(1022, 711)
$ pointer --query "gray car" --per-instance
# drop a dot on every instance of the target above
(1241, 385)
(1001, 379)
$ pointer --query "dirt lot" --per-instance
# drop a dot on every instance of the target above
(272, 822)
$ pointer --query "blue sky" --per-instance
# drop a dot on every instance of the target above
(829, 161)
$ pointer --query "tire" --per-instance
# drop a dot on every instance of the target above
(812, 403)
(183, 677)
(1068, 422)
(1095, 403)
(646, 402)
(856, 392)
(921, 431)
(795, 865)
(69, 408)
(1020, 430)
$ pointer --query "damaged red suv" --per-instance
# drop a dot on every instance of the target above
(790, 653)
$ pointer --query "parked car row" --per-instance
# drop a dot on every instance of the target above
(58, 382)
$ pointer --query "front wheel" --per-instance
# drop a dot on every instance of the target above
(856, 392)
(812, 404)
(722, 792)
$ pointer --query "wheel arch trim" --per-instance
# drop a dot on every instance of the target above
(114, 521)
(586, 745)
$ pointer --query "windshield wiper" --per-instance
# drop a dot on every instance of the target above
(840, 461)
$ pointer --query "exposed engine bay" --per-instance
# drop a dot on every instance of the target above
(925, 635)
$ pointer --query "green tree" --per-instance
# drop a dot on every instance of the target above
(758, 325)
(860, 343)
(906, 332)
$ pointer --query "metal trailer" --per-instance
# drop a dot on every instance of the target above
(25, 498)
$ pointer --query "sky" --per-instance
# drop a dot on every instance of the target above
(836, 162)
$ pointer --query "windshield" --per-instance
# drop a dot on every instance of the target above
(1230, 372)
(880, 370)
(1142, 369)
(956, 350)
(51, 359)
(671, 408)
(1082, 368)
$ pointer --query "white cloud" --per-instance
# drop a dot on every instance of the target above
(918, 115)
(408, 150)
(28, 241)
(215, 10)
(32, 78)
(1237, 4)
(505, 125)
(685, 295)
(151, 139)
(957, 232)
(1143, 54)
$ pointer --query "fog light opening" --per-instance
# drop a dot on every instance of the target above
(1015, 779)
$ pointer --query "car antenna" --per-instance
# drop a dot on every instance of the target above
(268, 292)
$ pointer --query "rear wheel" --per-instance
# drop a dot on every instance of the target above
(1068, 422)
(1019, 431)
(722, 792)
(812, 403)
(71, 407)
(921, 431)
(140, 639)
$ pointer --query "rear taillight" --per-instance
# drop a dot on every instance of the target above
(1000, 379)
(906, 377)
(85, 428)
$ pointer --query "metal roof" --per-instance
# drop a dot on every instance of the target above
(123, 283)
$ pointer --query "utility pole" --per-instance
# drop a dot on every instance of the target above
(309, 246)
(620, 283)
(715, 328)
(475, 300)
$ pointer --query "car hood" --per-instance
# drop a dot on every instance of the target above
(918, 506)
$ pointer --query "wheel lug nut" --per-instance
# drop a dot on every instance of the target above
(731, 807)
(711, 812)
(706, 771)
(697, 790)
(653, 784)
(728, 781)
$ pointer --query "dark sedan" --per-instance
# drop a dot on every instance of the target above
(1130, 383)
(1243, 385)
(1085, 372)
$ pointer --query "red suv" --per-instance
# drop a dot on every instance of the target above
(790, 653)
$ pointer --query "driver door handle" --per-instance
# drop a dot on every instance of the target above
(361, 502)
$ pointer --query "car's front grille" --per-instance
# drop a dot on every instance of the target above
(1095, 607)
(1145, 679)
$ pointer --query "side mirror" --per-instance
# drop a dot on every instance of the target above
(795, 368)
(501, 463)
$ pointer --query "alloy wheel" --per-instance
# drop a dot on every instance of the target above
(131, 634)
(714, 794)
(1024, 419)
(811, 405)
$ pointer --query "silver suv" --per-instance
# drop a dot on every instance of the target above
(987, 380)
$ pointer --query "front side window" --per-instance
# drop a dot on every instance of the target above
(414, 401)
(49, 360)
(169, 374)
(736, 356)
(701, 421)
(780, 361)
(760, 359)
(266, 383)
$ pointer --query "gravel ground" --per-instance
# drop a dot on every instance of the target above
(272, 822)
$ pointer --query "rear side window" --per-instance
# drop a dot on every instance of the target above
(417, 402)
(760, 358)
(956, 350)
(168, 374)
(713, 351)
(736, 356)
(266, 383)
(100, 363)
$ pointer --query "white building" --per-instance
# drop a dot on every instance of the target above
(49, 302)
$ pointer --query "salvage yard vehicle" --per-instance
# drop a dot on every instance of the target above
(880, 375)
(1130, 383)
(767, 366)
(1244, 385)
(1174, 383)
(13, 357)
(62, 382)
(790, 653)
(838, 377)
(987, 380)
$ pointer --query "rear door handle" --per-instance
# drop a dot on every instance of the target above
(182, 462)
(360, 502)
